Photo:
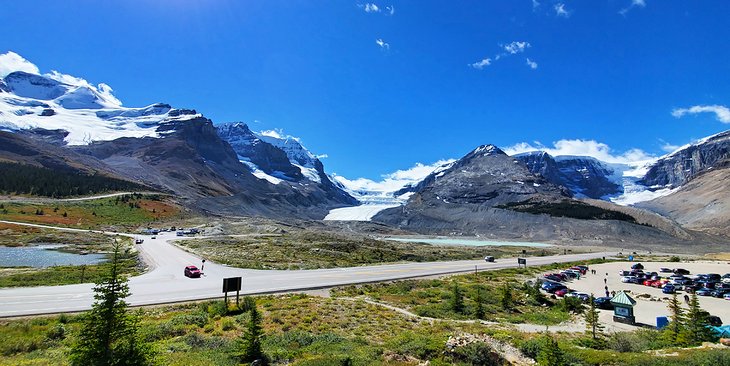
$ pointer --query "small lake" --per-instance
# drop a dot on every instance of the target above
(40, 256)
(470, 242)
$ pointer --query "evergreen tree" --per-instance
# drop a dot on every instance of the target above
(673, 331)
(250, 345)
(479, 311)
(457, 299)
(697, 329)
(507, 299)
(550, 352)
(108, 335)
(592, 322)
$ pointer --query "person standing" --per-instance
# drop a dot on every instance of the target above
(202, 266)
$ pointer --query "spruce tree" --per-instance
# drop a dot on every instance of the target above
(506, 299)
(672, 333)
(457, 299)
(479, 310)
(697, 329)
(592, 321)
(250, 345)
(108, 335)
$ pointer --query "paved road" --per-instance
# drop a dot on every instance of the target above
(165, 282)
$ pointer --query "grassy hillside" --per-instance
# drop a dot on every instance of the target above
(120, 211)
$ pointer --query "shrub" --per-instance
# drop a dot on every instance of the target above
(531, 347)
(56, 333)
(571, 305)
(478, 353)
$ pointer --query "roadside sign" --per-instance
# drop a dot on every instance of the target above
(522, 262)
(231, 284)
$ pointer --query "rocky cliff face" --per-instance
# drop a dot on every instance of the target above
(583, 176)
(485, 176)
(283, 161)
(680, 167)
(250, 148)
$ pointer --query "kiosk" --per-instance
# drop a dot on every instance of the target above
(623, 308)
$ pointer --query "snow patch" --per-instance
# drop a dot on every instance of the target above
(357, 213)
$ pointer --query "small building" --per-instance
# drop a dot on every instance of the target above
(623, 308)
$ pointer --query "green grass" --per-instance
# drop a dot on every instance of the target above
(122, 212)
(304, 330)
(432, 298)
(309, 250)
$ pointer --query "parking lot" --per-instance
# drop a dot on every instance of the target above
(651, 302)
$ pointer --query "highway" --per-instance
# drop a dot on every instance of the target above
(165, 282)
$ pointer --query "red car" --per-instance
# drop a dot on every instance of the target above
(581, 269)
(648, 283)
(659, 284)
(192, 272)
(561, 293)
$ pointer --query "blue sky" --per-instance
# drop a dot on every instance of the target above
(378, 92)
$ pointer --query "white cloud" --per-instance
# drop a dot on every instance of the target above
(390, 9)
(393, 181)
(634, 4)
(667, 147)
(512, 48)
(721, 112)
(561, 11)
(11, 62)
(371, 8)
(579, 147)
(516, 47)
(481, 64)
(276, 133)
(382, 44)
(535, 4)
(531, 64)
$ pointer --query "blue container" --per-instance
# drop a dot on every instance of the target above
(661, 322)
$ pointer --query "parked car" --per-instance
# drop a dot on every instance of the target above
(659, 284)
(681, 271)
(581, 269)
(584, 297)
(603, 303)
(570, 274)
(550, 286)
(562, 292)
(553, 277)
(665, 270)
(703, 292)
(624, 273)
(647, 282)
(669, 289)
(630, 279)
(192, 272)
(720, 292)
(637, 266)
(727, 296)
(551, 289)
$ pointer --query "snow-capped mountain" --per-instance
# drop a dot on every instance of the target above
(87, 113)
(281, 160)
(168, 149)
